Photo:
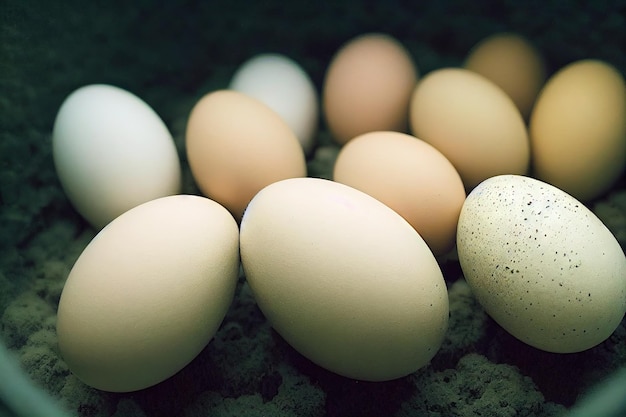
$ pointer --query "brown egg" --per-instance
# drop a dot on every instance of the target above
(368, 86)
(578, 129)
(472, 122)
(513, 64)
(236, 145)
(411, 177)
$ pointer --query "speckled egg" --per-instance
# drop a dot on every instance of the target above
(541, 264)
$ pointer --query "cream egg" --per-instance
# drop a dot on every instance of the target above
(473, 122)
(282, 84)
(411, 177)
(368, 87)
(343, 278)
(112, 152)
(513, 63)
(237, 145)
(541, 264)
(578, 129)
(148, 293)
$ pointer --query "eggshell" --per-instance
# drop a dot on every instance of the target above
(148, 293)
(578, 129)
(411, 177)
(513, 64)
(236, 145)
(112, 152)
(286, 88)
(541, 264)
(368, 87)
(473, 122)
(343, 278)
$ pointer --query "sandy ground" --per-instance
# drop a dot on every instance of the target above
(170, 56)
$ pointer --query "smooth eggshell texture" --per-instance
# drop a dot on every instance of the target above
(473, 122)
(541, 264)
(148, 293)
(286, 88)
(112, 152)
(343, 278)
(368, 87)
(578, 129)
(513, 64)
(411, 177)
(236, 145)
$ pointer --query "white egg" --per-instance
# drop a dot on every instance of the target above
(285, 87)
(343, 278)
(541, 264)
(112, 152)
(148, 292)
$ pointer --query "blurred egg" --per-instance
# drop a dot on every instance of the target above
(541, 264)
(368, 86)
(148, 293)
(237, 145)
(343, 278)
(411, 177)
(513, 64)
(285, 87)
(473, 122)
(112, 152)
(578, 129)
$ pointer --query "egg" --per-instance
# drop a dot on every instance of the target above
(473, 122)
(541, 264)
(237, 145)
(148, 293)
(367, 87)
(411, 177)
(513, 64)
(112, 152)
(280, 83)
(578, 129)
(343, 278)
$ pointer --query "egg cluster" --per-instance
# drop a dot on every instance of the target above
(345, 269)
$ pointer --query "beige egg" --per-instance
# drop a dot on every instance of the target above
(148, 293)
(237, 145)
(578, 129)
(343, 278)
(411, 177)
(541, 264)
(513, 64)
(473, 122)
(368, 86)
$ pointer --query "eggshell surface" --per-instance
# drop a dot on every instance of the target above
(513, 64)
(286, 88)
(578, 129)
(148, 293)
(473, 122)
(112, 152)
(236, 145)
(541, 264)
(368, 87)
(411, 177)
(343, 278)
